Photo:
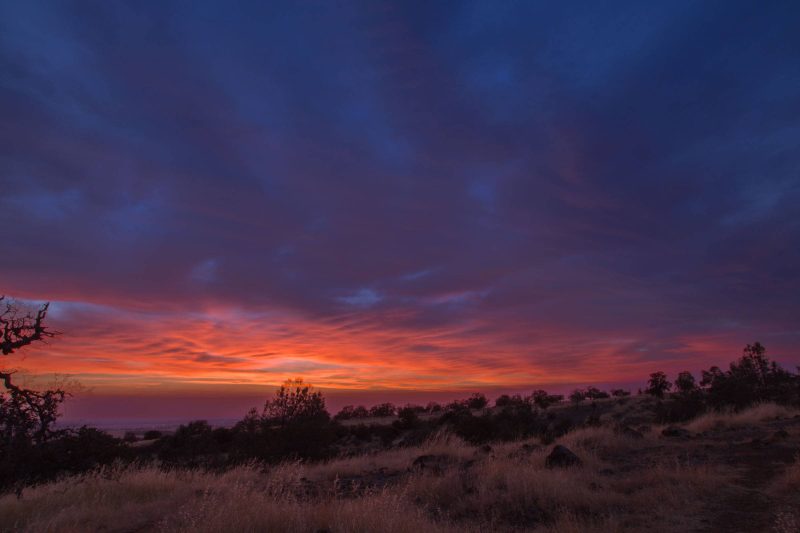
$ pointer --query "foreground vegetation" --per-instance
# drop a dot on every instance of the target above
(624, 482)
(598, 460)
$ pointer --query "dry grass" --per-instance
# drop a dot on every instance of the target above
(751, 416)
(789, 480)
(504, 490)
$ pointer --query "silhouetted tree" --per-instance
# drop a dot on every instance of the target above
(383, 410)
(345, 413)
(504, 400)
(434, 407)
(658, 384)
(294, 402)
(685, 382)
(577, 396)
(752, 378)
(543, 400)
(620, 393)
(360, 412)
(24, 413)
(477, 401)
(596, 394)
(408, 417)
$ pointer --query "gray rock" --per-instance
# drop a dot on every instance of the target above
(562, 457)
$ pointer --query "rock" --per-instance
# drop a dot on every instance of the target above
(486, 449)
(528, 448)
(673, 431)
(561, 457)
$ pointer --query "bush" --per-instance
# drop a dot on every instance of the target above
(434, 407)
(577, 396)
(685, 383)
(509, 401)
(752, 378)
(191, 445)
(67, 452)
(477, 401)
(543, 400)
(594, 393)
(152, 434)
(408, 417)
(658, 385)
(296, 402)
(383, 410)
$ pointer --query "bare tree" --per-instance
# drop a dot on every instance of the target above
(25, 412)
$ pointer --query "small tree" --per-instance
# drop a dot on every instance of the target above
(658, 384)
(685, 382)
(434, 407)
(477, 401)
(295, 402)
(577, 396)
(594, 393)
(24, 413)
(543, 400)
(505, 400)
(360, 412)
(408, 417)
(752, 378)
(383, 410)
(346, 413)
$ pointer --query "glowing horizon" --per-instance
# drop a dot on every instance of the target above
(111, 350)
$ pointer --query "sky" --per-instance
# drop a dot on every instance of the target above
(397, 198)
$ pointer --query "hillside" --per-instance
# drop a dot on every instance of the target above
(719, 472)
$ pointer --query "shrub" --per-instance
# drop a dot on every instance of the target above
(685, 382)
(477, 401)
(408, 417)
(434, 407)
(658, 385)
(383, 410)
(752, 378)
(296, 402)
(509, 401)
(543, 400)
(577, 396)
(594, 393)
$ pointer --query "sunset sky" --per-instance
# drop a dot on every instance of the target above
(431, 197)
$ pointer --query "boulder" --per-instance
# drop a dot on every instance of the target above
(562, 457)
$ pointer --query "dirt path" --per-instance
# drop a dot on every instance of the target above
(745, 506)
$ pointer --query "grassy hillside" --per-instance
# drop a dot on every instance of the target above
(720, 472)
